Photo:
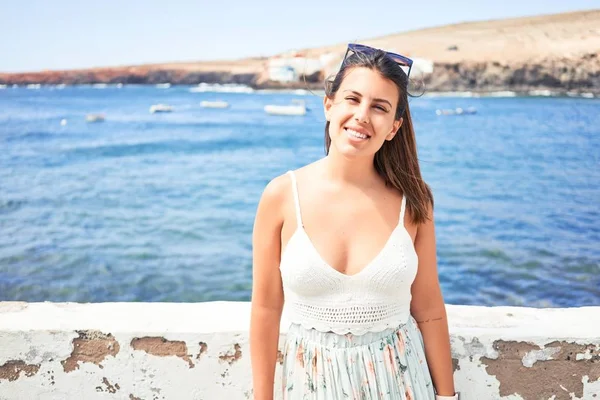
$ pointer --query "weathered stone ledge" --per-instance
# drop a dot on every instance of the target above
(200, 351)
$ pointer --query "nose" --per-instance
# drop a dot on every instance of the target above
(361, 114)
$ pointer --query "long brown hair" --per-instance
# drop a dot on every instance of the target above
(396, 161)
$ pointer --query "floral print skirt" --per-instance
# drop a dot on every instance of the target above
(377, 365)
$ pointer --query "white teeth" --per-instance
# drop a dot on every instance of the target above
(356, 134)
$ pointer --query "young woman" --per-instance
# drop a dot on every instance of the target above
(349, 242)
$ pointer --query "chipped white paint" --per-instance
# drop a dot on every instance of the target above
(43, 333)
(584, 356)
(591, 389)
(539, 355)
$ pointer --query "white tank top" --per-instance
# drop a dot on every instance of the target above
(320, 297)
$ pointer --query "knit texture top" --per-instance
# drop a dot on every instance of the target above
(320, 297)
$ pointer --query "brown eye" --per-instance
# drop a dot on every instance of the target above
(352, 99)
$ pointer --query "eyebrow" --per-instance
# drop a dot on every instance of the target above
(377, 100)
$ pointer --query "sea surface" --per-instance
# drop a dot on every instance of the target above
(160, 207)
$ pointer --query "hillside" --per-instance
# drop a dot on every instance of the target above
(530, 39)
(558, 52)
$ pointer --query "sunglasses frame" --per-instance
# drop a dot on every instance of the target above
(398, 58)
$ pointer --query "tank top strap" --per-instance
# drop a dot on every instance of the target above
(402, 210)
(296, 198)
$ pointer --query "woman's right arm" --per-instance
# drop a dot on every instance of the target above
(267, 290)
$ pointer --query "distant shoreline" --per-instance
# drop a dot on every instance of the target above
(316, 90)
(558, 52)
(579, 75)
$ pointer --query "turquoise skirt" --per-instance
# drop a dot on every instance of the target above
(377, 365)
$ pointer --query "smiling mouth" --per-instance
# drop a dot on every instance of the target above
(356, 134)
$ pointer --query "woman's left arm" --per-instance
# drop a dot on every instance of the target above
(429, 310)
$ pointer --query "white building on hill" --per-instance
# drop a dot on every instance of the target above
(292, 66)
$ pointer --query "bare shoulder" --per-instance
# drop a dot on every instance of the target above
(275, 193)
(429, 212)
(415, 225)
(278, 191)
(310, 170)
(276, 188)
(275, 197)
(427, 228)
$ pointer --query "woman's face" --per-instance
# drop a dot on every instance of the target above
(361, 115)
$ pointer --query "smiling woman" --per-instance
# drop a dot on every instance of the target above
(349, 242)
(360, 123)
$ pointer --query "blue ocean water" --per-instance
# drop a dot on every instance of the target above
(160, 207)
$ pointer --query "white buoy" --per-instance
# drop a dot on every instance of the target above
(63, 122)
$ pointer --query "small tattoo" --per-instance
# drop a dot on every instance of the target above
(430, 320)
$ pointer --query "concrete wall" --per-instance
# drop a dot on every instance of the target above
(170, 351)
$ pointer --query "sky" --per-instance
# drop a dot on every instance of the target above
(68, 34)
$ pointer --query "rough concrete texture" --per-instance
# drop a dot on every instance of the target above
(535, 372)
(11, 370)
(233, 356)
(91, 346)
(161, 347)
(190, 351)
(203, 349)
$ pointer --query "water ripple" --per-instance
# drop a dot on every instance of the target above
(150, 207)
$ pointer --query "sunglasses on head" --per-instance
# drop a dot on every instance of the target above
(404, 62)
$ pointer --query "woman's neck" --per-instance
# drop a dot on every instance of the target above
(355, 171)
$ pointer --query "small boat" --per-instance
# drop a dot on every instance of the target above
(157, 108)
(214, 104)
(163, 85)
(456, 111)
(224, 88)
(94, 118)
(297, 108)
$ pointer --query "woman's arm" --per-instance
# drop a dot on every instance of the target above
(428, 308)
(267, 291)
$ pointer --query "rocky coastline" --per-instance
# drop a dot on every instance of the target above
(555, 75)
(559, 76)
